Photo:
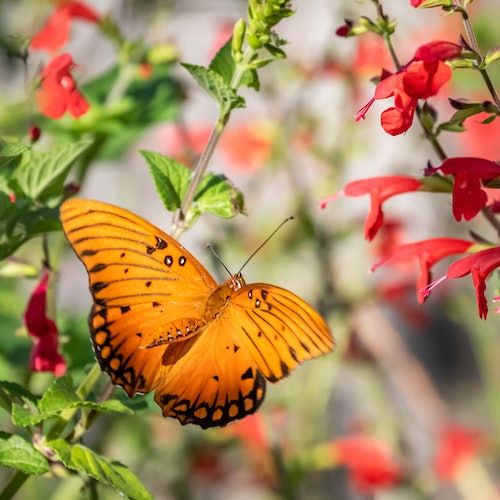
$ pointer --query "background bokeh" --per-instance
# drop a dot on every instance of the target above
(400, 371)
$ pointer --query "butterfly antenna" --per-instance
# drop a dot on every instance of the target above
(265, 241)
(218, 258)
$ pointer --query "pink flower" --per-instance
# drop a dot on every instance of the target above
(58, 93)
(469, 197)
(44, 356)
(380, 189)
(457, 446)
(369, 461)
(428, 252)
(55, 32)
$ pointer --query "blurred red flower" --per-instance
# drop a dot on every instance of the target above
(371, 54)
(251, 432)
(380, 189)
(421, 78)
(469, 196)
(247, 147)
(58, 93)
(369, 461)
(481, 139)
(44, 356)
(457, 445)
(184, 142)
(55, 32)
(416, 3)
(428, 252)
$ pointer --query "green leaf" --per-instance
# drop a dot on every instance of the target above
(17, 392)
(492, 55)
(41, 174)
(215, 86)
(276, 52)
(108, 472)
(17, 453)
(10, 157)
(171, 178)
(451, 127)
(490, 118)
(15, 46)
(223, 64)
(58, 397)
(216, 195)
(463, 62)
(21, 222)
(12, 150)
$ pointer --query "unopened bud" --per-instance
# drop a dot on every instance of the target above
(34, 133)
(239, 31)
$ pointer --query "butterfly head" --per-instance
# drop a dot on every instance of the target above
(235, 282)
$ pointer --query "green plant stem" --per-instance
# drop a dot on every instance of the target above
(82, 392)
(12, 487)
(179, 222)
(472, 40)
(121, 84)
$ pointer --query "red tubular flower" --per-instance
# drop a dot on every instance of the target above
(468, 194)
(369, 461)
(380, 189)
(480, 265)
(428, 252)
(44, 356)
(457, 445)
(58, 92)
(416, 3)
(55, 32)
(421, 78)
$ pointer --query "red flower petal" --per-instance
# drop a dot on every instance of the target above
(45, 356)
(429, 252)
(58, 92)
(369, 461)
(469, 196)
(55, 32)
(480, 265)
(35, 318)
(457, 445)
(81, 11)
(437, 51)
(380, 189)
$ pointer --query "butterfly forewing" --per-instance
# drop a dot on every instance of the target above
(278, 328)
(141, 279)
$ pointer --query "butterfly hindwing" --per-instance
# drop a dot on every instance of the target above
(210, 379)
(278, 328)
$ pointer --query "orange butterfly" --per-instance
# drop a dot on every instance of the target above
(160, 322)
